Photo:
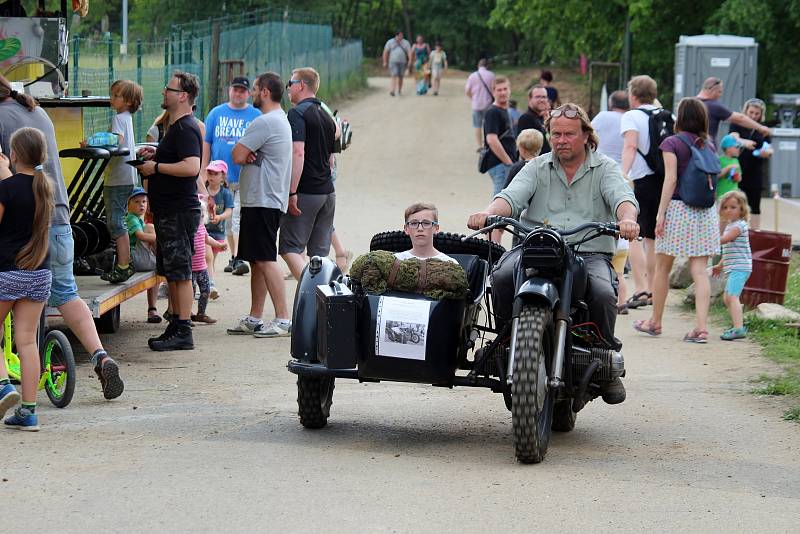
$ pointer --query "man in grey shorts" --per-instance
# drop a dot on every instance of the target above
(397, 56)
(312, 201)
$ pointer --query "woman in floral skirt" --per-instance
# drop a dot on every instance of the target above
(683, 230)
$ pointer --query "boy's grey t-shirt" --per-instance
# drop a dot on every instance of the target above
(118, 172)
(265, 183)
(14, 116)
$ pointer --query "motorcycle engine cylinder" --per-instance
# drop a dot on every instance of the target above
(612, 364)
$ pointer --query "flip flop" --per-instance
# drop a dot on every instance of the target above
(696, 336)
(642, 298)
(646, 327)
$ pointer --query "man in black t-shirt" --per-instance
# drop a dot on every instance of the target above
(497, 135)
(172, 190)
(710, 93)
(308, 225)
(538, 106)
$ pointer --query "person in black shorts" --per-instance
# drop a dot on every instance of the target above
(265, 154)
(171, 176)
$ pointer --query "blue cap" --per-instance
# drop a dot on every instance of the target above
(136, 192)
(729, 141)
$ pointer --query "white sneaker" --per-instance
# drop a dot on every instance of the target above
(274, 329)
(213, 294)
(245, 328)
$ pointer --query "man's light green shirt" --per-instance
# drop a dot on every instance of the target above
(540, 194)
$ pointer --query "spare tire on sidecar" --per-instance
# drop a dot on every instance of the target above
(341, 331)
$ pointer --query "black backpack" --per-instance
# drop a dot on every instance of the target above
(660, 124)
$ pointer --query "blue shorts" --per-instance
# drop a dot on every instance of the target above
(477, 118)
(498, 174)
(735, 283)
(115, 198)
(62, 253)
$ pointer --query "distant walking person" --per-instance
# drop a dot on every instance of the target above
(438, 66)
(422, 52)
(479, 91)
(397, 56)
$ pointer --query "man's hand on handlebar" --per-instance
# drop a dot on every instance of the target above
(477, 221)
(628, 229)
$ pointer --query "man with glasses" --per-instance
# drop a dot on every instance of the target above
(538, 108)
(312, 201)
(710, 93)
(421, 223)
(171, 179)
(225, 125)
(265, 153)
(568, 187)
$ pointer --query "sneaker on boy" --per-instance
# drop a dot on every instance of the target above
(9, 397)
(23, 420)
(229, 267)
(107, 372)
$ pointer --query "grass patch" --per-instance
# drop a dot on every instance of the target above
(779, 343)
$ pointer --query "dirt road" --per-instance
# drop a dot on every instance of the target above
(209, 440)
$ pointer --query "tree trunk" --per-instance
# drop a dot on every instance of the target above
(407, 20)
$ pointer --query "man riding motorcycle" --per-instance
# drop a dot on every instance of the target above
(570, 186)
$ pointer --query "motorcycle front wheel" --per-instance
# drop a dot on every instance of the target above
(532, 399)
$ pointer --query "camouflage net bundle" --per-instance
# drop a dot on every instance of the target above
(380, 271)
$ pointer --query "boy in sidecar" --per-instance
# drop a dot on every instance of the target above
(420, 224)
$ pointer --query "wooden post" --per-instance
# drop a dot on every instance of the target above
(213, 82)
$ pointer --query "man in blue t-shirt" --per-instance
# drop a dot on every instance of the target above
(225, 125)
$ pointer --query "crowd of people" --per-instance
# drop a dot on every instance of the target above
(672, 223)
(268, 173)
(259, 182)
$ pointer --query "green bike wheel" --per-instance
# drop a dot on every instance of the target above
(58, 365)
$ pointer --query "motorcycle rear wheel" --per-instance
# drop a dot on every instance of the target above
(532, 400)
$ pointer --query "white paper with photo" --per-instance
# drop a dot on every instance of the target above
(402, 328)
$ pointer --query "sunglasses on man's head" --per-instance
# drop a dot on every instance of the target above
(569, 113)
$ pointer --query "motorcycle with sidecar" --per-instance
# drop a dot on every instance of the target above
(548, 360)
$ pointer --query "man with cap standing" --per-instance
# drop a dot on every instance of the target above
(225, 125)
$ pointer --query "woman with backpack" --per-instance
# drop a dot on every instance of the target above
(686, 223)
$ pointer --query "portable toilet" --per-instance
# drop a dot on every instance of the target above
(732, 59)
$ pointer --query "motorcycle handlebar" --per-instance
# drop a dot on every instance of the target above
(603, 228)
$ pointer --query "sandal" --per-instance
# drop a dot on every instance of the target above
(646, 327)
(696, 336)
(642, 298)
(622, 309)
(152, 315)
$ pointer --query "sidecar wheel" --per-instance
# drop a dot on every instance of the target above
(563, 416)
(314, 400)
(532, 399)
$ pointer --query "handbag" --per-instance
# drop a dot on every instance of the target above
(483, 155)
